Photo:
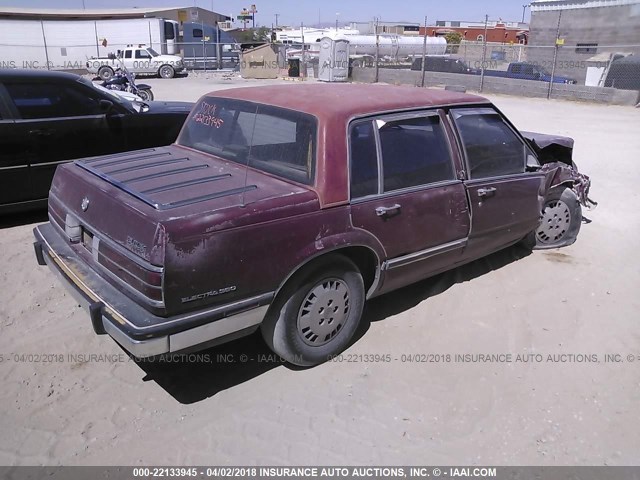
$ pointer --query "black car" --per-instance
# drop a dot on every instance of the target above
(443, 64)
(48, 118)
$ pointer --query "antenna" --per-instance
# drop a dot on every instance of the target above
(246, 166)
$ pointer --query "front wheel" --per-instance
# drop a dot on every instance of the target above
(561, 219)
(145, 94)
(166, 71)
(317, 314)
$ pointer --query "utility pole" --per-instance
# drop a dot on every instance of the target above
(253, 11)
(337, 15)
(424, 52)
(377, 53)
(276, 15)
(555, 55)
(484, 52)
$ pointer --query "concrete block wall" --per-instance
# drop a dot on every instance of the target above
(506, 86)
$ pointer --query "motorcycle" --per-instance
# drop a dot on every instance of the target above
(124, 81)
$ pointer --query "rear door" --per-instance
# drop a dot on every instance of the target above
(62, 121)
(14, 166)
(405, 191)
(506, 199)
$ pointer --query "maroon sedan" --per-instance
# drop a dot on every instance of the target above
(284, 208)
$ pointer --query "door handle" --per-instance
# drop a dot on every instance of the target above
(486, 192)
(41, 132)
(382, 211)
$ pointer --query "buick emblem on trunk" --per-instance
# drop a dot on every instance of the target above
(85, 204)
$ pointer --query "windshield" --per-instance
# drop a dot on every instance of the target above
(274, 140)
(113, 96)
(542, 70)
(153, 52)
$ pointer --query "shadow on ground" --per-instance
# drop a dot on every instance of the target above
(196, 377)
(25, 218)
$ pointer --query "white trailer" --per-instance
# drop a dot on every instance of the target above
(390, 47)
(67, 44)
(395, 46)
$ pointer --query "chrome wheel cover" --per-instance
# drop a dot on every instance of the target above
(324, 312)
(556, 220)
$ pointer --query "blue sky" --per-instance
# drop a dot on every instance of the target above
(293, 12)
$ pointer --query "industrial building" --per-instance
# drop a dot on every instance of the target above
(588, 30)
(496, 31)
(395, 28)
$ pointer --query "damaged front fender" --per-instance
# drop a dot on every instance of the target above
(555, 154)
(557, 173)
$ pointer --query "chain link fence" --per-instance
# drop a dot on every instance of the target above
(609, 73)
(196, 55)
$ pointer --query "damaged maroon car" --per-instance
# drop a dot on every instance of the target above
(284, 208)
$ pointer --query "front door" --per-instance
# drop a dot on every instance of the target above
(63, 122)
(14, 166)
(405, 191)
(505, 199)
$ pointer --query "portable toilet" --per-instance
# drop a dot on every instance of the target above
(333, 63)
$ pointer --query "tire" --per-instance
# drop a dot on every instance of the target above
(105, 73)
(145, 94)
(317, 313)
(561, 219)
(166, 71)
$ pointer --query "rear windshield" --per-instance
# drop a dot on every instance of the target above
(274, 140)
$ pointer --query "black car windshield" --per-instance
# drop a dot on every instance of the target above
(271, 139)
(112, 96)
(153, 52)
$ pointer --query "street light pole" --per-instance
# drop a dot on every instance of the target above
(524, 8)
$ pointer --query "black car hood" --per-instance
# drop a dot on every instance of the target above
(168, 107)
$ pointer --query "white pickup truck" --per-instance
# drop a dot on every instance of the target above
(139, 60)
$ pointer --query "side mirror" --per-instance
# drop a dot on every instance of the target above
(532, 163)
(105, 106)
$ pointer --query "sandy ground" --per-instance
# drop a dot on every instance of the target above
(581, 300)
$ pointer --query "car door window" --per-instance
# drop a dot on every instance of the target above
(415, 151)
(364, 160)
(142, 54)
(49, 100)
(127, 54)
(492, 148)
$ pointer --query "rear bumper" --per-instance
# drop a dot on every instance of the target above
(137, 330)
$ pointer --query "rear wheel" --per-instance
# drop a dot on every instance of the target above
(105, 73)
(317, 314)
(561, 219)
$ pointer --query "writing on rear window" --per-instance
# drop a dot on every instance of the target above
(206, 115)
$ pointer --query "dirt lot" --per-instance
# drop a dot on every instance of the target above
(582, 301)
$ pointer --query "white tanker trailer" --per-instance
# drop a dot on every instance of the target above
(390, 47)
(395, 46)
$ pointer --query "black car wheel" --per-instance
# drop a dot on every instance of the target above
(317, 314)
(105, 73)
